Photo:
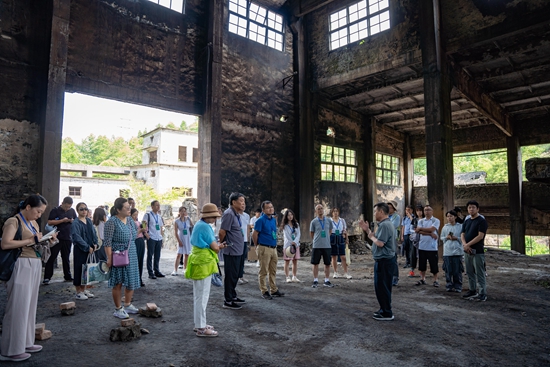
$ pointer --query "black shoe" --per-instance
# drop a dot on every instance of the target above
(277, 294)
(142, 284)
(69, 279)
(266, 295)
(238, 300)
(381, 317)
(152, 277)
(328, 284)
(46, 282)
(376, 313)
(469, 294)
(160, 275)
(231, 305)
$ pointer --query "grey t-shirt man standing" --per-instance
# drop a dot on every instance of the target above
(320, 229)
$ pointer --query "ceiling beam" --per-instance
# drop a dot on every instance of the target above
(299, 8)
(481, 100)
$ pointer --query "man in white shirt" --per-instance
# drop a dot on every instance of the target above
(155, 226)
(427, 248)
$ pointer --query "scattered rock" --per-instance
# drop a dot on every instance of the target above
(39, 328)
(68, 311)
(144, 331)
(151, 306)
(44, 335)
(127, 322)
(125, 334)
(67, 308)
(143, 311)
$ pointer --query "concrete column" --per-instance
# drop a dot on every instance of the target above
(210, 125)
(408, 172)
(369, 168)
(51, 128)
(437, 104)
(515, 178)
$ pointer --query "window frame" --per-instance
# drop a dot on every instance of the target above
(182, 153)
(270, 25)
(349, 24)
(168, 7)
(394, 174)
(73, 190)
(340, 168)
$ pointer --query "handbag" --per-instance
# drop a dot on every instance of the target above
(88, 277)
(9, 257)
(120, 257)
(217, 278)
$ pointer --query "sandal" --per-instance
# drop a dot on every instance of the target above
(207, 332)
(421, 282)
(206, 327)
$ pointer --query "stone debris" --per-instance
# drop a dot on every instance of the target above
(126, 333)
(38, 328)
(43, 335)
(151, 306)
(144, 311)
(67, 308)
(127, 322)
(144, 331)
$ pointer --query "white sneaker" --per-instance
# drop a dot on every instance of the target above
(131, 309)
(121, 313)
(180, 267)
(336, 276)
(81, 296)
(288, 279)
(174, 273)
(347, 276)
(295, 280)
(89, 294)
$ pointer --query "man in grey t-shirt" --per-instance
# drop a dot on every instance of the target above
(383, 253)
(320, 228)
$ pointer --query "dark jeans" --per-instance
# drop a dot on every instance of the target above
(407, 248)
(414, 256)
(232, 266)
(153, 248)
(140, 249)
(243, 260)
(383, 274)
(395, 271)
(453, 267)
(64, 246)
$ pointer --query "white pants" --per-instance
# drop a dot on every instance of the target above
(201, 293)
(20, 315)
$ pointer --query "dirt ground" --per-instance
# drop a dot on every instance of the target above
(312, 327)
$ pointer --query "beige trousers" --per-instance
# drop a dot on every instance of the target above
(20, 315)
(268, 267)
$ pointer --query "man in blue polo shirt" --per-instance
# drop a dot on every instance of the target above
(265, 238)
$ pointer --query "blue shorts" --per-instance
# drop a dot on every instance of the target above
(337, 245)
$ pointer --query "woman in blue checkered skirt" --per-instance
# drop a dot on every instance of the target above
(119, 234)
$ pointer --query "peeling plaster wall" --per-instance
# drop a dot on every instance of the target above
(346, 196)
(258, 150)
(138, 52)
(402, 38)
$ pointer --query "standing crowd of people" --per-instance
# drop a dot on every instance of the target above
(119, 239)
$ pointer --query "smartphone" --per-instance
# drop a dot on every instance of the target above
(227, 244)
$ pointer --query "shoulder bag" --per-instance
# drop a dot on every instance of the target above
(9, 257)
(120, 258)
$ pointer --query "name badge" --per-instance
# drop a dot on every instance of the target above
(157, 227)
(323, 234)
(185, 232)
(293, 237)
(242, 231)
(337, 232)
(274, 235)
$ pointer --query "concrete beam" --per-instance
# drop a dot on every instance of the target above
(369, 168)
(515, 177)
(84, 168)
(482, 100)
(299, 8)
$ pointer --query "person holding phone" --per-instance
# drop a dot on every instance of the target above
(452, 252)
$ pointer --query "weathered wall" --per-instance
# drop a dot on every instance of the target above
(257, 148)
(393, 147)
(24, 45)
(400, 40)
(138, 52)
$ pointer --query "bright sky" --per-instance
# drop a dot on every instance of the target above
(85, 115)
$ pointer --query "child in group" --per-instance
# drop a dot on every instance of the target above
(183, 227)
(291, 231)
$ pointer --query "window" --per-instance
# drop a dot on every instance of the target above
(153, 173)
(256, 23)
(153, 156)
(182, 154)
(176, 5)
(75, 192)
(338, 164)
(195, 155)
(358, 21)
(387, 170)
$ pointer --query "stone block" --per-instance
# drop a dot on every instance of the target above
(538, 170)
(151, 306)
(143, 311)
(126, 333)
(44, 335)
(67, 305)
(39, 328)
(127, 322)
(68, 311)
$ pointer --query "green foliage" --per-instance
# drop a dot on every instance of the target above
(183, 125)
(70, 152)
(532, 246)
(494, 163)
(144, 194)
(171, 125)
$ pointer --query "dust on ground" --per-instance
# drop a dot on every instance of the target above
(312, 327)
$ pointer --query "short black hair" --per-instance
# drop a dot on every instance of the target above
(235, 197)
(258, 210)
(264, 203)
(452, 212)
(384, 207)
(130, 199)
(457, 209)
(153, 202)
(472, 202)
(67, 200)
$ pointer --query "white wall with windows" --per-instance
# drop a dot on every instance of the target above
(93, 191)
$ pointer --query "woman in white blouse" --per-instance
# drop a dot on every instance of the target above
(291, 231)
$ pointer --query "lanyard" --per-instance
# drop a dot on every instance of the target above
(322, 223)
(155, 217)
(292, 228)
(184, 223)
(336, 225)
(29, 226)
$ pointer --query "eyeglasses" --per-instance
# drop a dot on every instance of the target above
(82, 209)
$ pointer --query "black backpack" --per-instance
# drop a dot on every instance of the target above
(9, 257)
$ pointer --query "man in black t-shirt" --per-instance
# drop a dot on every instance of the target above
(473, 233)
(62, 217)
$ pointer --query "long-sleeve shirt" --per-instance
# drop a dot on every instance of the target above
(288, 232)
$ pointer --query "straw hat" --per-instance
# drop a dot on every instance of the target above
(392, 203)
(210, 211)
(290, 251)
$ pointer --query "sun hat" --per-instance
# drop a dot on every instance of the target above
(210, 211)
(290, 251)
(392, 203)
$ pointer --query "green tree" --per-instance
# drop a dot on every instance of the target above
(183, 125)
(70, 152)
(171, 125)
(532, 246)
(144, 194)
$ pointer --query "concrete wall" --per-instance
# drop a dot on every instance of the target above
(257, 148)
(95, 191)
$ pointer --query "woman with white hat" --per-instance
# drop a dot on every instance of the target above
(202, 263)
(291, 248)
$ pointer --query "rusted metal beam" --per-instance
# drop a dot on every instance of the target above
(482, 100)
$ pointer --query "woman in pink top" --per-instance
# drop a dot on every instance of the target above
(140, 241)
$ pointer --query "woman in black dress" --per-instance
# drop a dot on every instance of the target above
(84, 239)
